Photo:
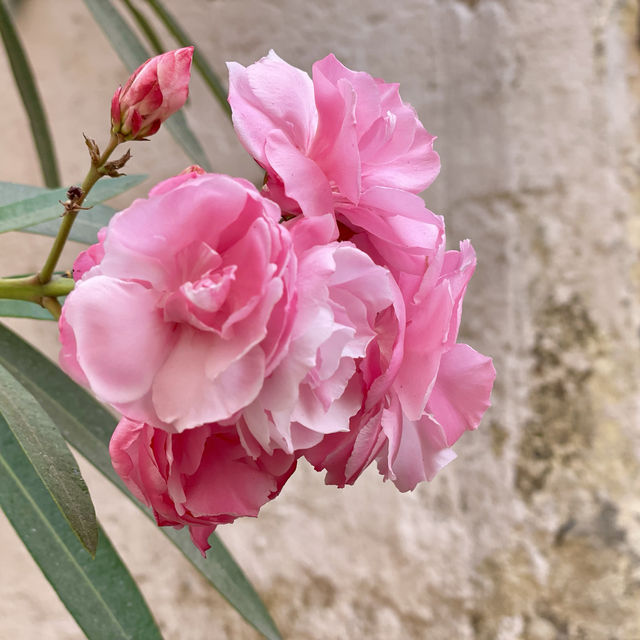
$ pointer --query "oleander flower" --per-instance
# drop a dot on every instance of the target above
(200, 478)
(331, 141)
(345, 345)
(329, 333)
(188, 306)
(440, 388)
(345, 144)
(154, 91)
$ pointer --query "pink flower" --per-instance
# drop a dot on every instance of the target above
(327, 142)
(441, 388)
(155, 90)
(344, 346)
(90, 257)
(189, 304)
(345, 144)
(199, 478)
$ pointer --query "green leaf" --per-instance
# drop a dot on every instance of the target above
(145, 26)
(88, 426)
(12, 192)
(183, 134)
(227, 577)
(99, 593)
(199, 62)
(46, 206)
(50, 457)
(133, 53)
(85, 228)
(24, 309)
(25, 82)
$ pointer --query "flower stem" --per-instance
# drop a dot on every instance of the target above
(94, 174)
(53, 307)
(31, 289)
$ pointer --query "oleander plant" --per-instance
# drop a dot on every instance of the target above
(237, 332)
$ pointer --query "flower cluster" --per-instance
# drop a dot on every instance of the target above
(239, 330)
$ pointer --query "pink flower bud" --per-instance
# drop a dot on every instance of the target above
(155, 90)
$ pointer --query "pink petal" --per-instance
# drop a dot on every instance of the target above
(200, 535)
(267, 96)
(425, 341)
(304, 181)
(396, 217)
(416, 452)
(206, 379)
(457, 269)
(120, 336)
(367, 106)
(462, 390)
(335, 146)
(307, 233)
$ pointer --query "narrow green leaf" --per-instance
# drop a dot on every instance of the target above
(99, 593)
(26, 84)
(123, 40)
(50, 457)
(23, 309)
(227, 577)
(85, 228)
(12, 192)
(145, 26)
(199, 62)
(46, 206)
(183, 134)
(88, 426)
(108, 188)
(133, 53)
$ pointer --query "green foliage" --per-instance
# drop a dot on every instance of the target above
(99, 593)
(199, 61)
(23, 309)
(145, 26)
(85, 228)
(46, 206)
(50, 457)
(26, 84)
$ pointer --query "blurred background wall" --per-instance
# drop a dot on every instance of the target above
(534, 531)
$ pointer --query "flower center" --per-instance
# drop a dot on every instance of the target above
(197, 302)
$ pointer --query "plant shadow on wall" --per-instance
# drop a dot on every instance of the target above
(316, 318)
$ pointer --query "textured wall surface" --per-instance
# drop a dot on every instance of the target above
(534, 531)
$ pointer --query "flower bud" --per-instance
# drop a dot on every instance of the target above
(155, 90)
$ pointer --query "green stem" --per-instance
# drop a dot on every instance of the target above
(30, 288)
(53, 306)
(94, 174)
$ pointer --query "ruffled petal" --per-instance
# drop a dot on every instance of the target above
(416, 451)
(271, 95)
(205, 379)
(121, 339)
(462, 390)
(303, 179)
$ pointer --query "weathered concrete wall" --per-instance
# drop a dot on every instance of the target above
(534, 532)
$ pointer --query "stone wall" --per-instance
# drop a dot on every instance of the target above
(534, 531)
